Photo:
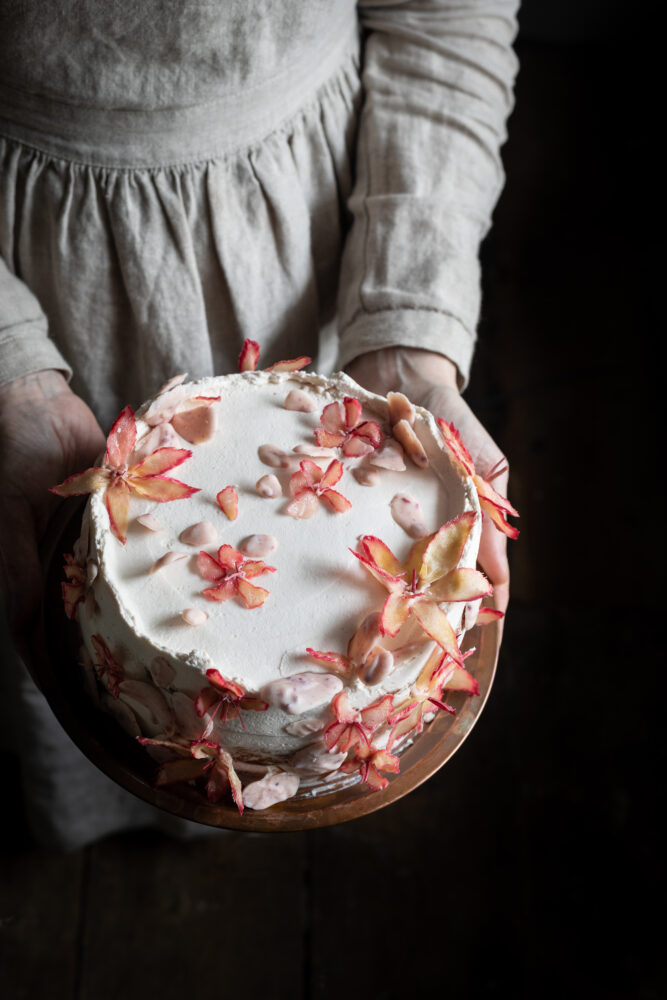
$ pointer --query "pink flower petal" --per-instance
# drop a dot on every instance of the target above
(121, 439)
(160, 461)
(228, 502)
(249, 356)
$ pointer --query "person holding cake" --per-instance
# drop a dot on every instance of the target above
(317, 178)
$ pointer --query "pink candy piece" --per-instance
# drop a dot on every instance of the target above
(202, 533)
(367, 636)
(269, 486)
(305, 727)
(407, 513)
(161, 436)
(166, 560)
(150, 522)
(259, 546)
(316, 759)
(196, 425)
(365, 476)
(269, 790)
(302, 692)
(194, 616)
(379, 665)
(176, 380)
(161, 671)
(269, 454)
(389, 456)
(314, 451)
(299, 400)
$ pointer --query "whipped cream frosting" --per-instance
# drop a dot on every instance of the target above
(148, 603)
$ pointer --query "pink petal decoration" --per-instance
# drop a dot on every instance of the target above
(404, 433)
(166, 560)
(228, 502)
(269, 790)
(378, 665)
(407, 513)
(300, 401)
(302, 692)
(365, 476)
(197, 425)
(389, 456)
(305, 727)
(316, 759)
(259, 546)
(150, 522)
(194, 616)
(269, 454)
(269, 486)
(202, 533)
(249, 356)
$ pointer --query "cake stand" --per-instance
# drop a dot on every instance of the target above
(54, 645)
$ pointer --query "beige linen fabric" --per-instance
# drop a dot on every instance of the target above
(314, 174)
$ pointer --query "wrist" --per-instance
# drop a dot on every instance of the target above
(40, 386)
(403, 369)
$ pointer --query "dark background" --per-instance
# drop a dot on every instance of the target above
(530, 866)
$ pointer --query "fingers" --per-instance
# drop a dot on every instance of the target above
(492, 558)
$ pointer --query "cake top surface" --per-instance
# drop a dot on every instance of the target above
(318, 593)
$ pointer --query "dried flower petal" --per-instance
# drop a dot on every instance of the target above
(228, 502)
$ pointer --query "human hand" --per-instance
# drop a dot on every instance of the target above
(430, 380)
(46, 433)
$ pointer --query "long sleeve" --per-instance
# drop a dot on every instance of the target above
(437, 82)
(24, 343)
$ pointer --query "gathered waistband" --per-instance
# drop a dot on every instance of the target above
(127, 138)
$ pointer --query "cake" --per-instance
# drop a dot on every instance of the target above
(274, 574)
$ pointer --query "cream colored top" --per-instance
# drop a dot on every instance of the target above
(175, 178)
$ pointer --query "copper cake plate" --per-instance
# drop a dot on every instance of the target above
(54, 649)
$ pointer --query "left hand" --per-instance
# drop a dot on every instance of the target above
(430, 380)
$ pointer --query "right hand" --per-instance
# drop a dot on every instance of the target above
(46, 434)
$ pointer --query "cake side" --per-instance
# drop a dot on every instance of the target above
(170, 640)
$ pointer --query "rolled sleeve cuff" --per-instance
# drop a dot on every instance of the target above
(426, 329)
(25, 348)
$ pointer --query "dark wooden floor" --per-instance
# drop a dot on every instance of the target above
(529, 865)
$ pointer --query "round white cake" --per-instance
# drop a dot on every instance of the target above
(290, 608)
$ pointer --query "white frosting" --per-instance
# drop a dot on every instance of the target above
(319, 593)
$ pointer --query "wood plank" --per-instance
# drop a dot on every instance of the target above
(40, 909)
(221, 915)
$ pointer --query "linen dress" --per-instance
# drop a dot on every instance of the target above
(314, 174)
